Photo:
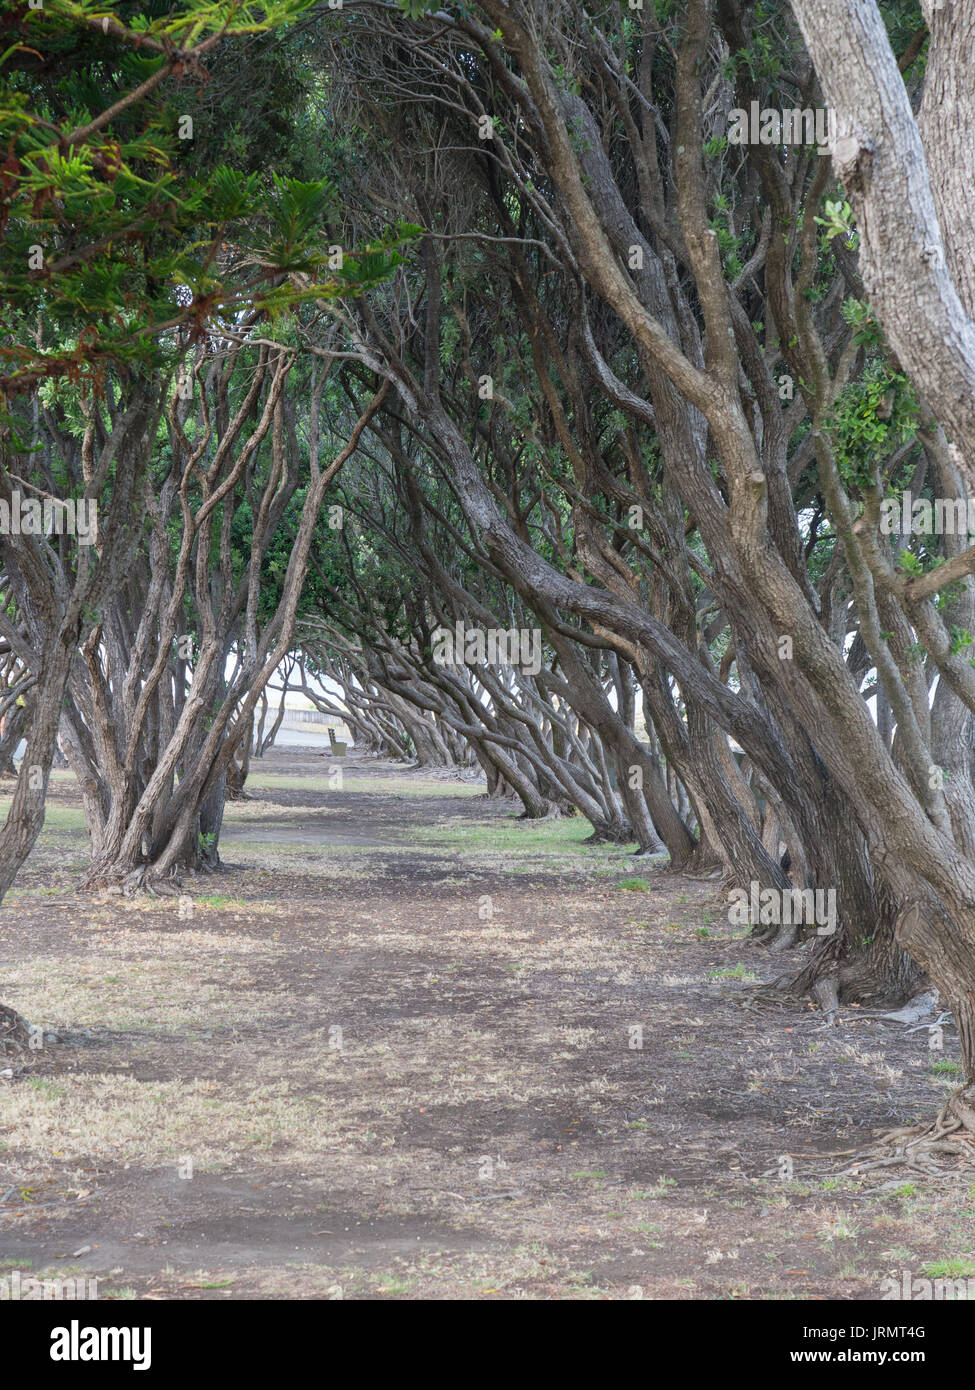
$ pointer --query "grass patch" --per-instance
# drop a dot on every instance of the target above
(740, 972)
(63, 820)
(384, 786)
(949, 1269)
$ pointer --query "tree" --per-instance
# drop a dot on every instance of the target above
(691, 285)
(120, 261)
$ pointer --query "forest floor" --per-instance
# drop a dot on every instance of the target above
(394, 1053)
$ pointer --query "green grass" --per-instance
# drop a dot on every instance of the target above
(663, 1185)
(394, 1285)
(47, 1089)
(281, 849)
(557, 843)
(949, 1269)
(66, 820)
(548, 839)
(740, 972)
(634, 885)
(389, 786)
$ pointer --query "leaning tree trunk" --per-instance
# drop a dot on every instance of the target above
(12, 734)
(26, 815)
(237, 771)
(862, 962)
(194, 845)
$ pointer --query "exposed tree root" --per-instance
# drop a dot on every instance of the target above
(610, 835)
(701, 863)
(136, 882)
(944, 1147)
(17, 1035)
(554, 812)
(767, 997)
(698, 871)
(145, 880)
(827, 995)
(15, 1031)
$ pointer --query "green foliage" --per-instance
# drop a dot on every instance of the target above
(867, 331)
(734, 248)
(838, 221)
(415, 9)
(760, 61)
(960, 639)
(376, 260)
(871, 417)
(120, 227)
(947, 597)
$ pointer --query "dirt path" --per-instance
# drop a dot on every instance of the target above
(407, 1046)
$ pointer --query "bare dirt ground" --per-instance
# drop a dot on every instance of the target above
(406, 1046)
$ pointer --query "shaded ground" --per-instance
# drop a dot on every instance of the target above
(407, 1046)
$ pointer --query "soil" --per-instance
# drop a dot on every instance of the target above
(404, 1045)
